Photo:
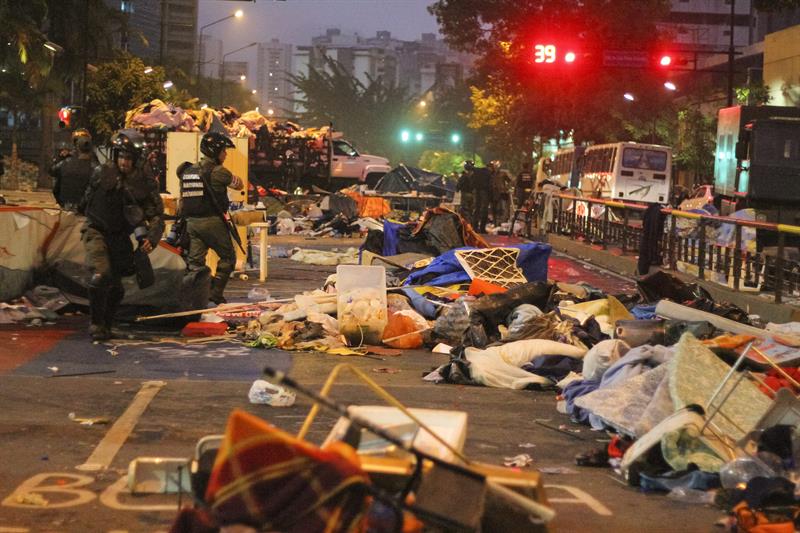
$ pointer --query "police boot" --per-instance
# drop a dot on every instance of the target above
(98, 305)
(115, 296)
(218, 283)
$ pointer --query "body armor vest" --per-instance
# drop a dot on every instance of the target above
(196, 198)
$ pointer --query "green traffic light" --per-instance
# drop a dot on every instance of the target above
(419, 136)
(405, 136)
(455, 138)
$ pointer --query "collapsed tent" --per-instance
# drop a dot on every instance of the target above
(46, 243)
(404, 179)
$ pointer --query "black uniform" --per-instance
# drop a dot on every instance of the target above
(71, 177)
(482, 193)
(115, 206)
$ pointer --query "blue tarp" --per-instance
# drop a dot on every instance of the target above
(447, 270)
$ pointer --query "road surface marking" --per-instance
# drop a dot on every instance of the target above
(105, 452)
(581, 497)
(35, 484)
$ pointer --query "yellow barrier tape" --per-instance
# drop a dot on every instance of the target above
(786, 228)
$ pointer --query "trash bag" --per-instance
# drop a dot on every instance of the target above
(660, 285)
(494, 308)
(451, 324)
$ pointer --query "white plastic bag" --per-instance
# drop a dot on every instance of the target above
(264, 392)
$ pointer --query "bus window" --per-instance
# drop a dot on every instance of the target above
(644, 159)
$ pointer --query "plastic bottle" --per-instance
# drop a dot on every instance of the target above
(737, 473)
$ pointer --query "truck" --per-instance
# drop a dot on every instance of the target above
(289, 159)
(757, 162)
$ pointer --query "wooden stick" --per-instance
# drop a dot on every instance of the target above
(390, 339)
(219, 308)
(774, 365)
(199, 340)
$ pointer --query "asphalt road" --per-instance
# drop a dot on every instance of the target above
(44, 451)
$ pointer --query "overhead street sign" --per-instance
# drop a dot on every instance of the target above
(625, 58)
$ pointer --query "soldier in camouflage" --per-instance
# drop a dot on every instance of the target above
(204, 204)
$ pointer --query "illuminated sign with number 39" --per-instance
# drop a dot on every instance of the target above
(544, 53)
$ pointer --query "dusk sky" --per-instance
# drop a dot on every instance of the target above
(297, 21)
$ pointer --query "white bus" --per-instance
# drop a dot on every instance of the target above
(622, 171)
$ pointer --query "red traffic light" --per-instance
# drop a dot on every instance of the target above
(549, 53)
(665, 60)
(65, 117)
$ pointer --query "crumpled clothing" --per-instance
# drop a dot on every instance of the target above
(553, 367)
(606, 311)
(636, 361)
(695, 479)
(548, 326)
(572, 392)
(601, 356)
(520, 316)
(644, 312)
(500, 366)
(631, 407)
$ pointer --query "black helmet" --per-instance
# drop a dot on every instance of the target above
(128, 142)
(81, 133)
(83, 144)
(213, 144)
(469, 164)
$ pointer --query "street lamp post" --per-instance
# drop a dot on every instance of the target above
(222, 72)
(237, 14)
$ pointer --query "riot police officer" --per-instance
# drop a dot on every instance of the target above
(501, 193)
(204, 205)
(120, 200)
(483, 197)
(465, 187)
(72, 171)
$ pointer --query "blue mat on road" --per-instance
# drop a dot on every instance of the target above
(446, 270)
(218, 361)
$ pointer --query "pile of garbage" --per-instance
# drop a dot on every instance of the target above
(157, 114)
(701, 403)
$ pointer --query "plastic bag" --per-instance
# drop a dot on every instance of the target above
(258, 294)
(264, 392)
(406, 325)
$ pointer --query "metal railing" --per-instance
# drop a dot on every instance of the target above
(686, 243)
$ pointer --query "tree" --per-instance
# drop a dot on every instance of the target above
(371, 115)
(35, 78)
(118, 86)
(753, 94)
(694, 149)
(585, 97)
(445, 163)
